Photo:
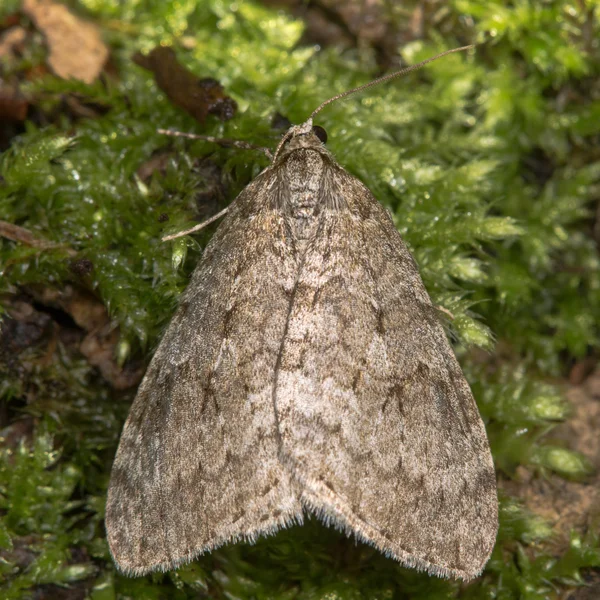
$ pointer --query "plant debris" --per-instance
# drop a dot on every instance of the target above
(41, 317)
(198, 97)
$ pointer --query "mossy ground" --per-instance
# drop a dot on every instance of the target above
(489, 162)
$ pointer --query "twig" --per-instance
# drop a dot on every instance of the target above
(24, 236)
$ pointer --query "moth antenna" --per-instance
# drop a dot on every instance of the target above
(385, 78)
(227, 143)
(198, 227)
(288, 134)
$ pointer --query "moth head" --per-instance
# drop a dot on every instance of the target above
(306, 135)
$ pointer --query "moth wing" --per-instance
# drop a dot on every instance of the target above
(197, 462)
(377, 421)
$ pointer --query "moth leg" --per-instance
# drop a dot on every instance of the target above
(195, 228)
(225, 142)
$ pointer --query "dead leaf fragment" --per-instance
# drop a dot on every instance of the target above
(100, 334)
(198, 97)
(76, 50)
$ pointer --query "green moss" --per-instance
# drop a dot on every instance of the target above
(41, 517)
(487, 162)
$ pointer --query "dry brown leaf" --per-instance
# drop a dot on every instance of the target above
(76, 50)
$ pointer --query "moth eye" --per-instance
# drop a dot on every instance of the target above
(320, 133)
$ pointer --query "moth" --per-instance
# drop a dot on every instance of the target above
(305, 371)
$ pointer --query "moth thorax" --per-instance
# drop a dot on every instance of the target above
(304, 171)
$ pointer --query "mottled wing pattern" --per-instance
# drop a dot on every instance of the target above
(377, 422)
(197, 463)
